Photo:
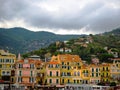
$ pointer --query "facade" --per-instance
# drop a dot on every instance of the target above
(105, 72)
(85, 74)
(53, 73)
(40, 72)
(26, 73)
(69, 65)
(95, 73)
(7, 70)
(115, 70)
(61, 70)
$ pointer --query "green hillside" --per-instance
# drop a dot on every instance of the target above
(102, 46)
(20, 40)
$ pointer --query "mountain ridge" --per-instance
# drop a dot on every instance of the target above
(21, 40)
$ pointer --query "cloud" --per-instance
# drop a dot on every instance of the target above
(61, 16)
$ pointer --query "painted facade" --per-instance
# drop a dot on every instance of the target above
(60, 70)
(7, 69)
(26, 72)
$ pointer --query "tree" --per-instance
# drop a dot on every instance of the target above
(105, 57)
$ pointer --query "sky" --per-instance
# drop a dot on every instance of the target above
(61, 16)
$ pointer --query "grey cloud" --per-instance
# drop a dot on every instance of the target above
(95, 14)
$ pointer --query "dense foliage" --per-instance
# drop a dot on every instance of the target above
(87, 47)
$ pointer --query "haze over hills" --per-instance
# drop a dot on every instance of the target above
(20, 40)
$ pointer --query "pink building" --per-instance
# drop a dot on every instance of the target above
(53, 73)
(25, 73)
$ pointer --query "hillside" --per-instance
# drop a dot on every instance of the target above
(103, 46)
(20, 40)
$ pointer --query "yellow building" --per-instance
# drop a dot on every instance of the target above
(7, 63)
(95, 76)
(70, 64)
(105, 72)
(85, 74)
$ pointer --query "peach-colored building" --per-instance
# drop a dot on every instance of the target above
(53, 73)
(25, 72)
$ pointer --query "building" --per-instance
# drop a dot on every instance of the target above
(105, 72)
(115, 70)
(7, 70)
(26, 73)
(69, 64)
(95, 75)
(53, 73)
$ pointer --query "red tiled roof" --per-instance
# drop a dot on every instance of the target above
(53, 62)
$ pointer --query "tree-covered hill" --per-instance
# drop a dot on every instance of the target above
(20, 40)
(103, 46)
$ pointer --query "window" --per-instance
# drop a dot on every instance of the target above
(96, 69)
(79, 67)
(106, 68)
(68, 67)
(20, 65)
(78, 73)
(62, 80)
(62, 63)
(68, 81)
(67, 63)
(92, 74)
(7, 60)
(51, 66)
(97, 74)
(50, 73)
(57, 80)
(1, 60)
(77, 81)
(3, 72)
(19, 79)
(57, 66)
(106, 74)
(103, 69)
(92, 69)
(12, 60)
(68, 74)
(31, 73)
(32, 66)
(0, 65)
(63, 74)
(31, 79)
(50, 80)
(74, 81)
(74, 73)
(57, 73)
(8, 73)
(117, 65)
(12, 79)
(20, 73)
